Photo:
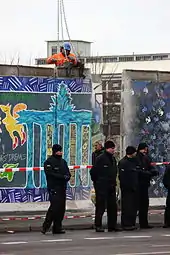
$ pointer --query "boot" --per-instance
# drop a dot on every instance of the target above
(131, 228)
(146, 227)
(99, 229)
(58, 231)
(61, 231)
(116, 229)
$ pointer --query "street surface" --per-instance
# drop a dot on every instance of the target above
(87, 242)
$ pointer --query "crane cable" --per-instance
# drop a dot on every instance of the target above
(62, 29)
(66, 25)
(58, 24)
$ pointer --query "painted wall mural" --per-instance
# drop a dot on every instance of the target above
(151, 124)
(42, 112)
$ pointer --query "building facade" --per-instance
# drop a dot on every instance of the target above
(82, 48)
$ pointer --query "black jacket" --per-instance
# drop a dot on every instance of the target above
(104, 171)
(57, 172)
(166, 178)
(147, 171)
(96, 154)
(128, 173)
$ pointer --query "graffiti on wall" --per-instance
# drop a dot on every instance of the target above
(152, 124)
(32, 122)
(96, 125)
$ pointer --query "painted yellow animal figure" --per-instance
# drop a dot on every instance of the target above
(12, 125)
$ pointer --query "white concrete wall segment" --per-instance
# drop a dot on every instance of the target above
(118, 67)
(127, 111)
(79, 205)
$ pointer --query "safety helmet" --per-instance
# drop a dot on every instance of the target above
(67, 46)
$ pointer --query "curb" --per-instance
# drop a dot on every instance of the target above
(79, 227)
(24, 229)
(20, 218)
(42, 217)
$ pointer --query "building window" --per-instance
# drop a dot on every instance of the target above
(147, 58)
(126, 59)
(93, 60)
(41, 61)
(54, 50)
(88, 60)
(160, 57)
(141, 58)
(165, 57)
(110, 59)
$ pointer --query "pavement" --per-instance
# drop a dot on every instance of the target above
(73, 221)
(139, 242)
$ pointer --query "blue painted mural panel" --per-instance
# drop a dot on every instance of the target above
(151, 124)
(21, 144)
(38, 84)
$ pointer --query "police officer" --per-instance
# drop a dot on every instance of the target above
(166, 182)
(57, 175)
(147, 172)
(98, 151)
(103, 175)
(128, 176)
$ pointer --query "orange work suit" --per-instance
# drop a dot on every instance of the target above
(59, 59)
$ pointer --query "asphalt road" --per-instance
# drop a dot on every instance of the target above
(153, 242)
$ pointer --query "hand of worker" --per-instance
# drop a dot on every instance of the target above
(71, 58)
(54, 60)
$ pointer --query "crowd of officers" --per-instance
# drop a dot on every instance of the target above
(135, 172)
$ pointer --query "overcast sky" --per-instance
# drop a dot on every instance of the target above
(115, 26)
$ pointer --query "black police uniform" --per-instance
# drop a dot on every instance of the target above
(95, 154)
(57, 175)
(147, 172)
(166, 182)
(128, 176)
(103, 175)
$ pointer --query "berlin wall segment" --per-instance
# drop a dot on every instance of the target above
(36, 112)
(147, 117)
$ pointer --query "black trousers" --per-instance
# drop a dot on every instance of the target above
(167, 211)
(143, 207)
(128, 207)
(106, 198)
(56, 211)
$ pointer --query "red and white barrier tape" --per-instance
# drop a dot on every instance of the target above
(159, 163)
(152, 212)
(25, 169)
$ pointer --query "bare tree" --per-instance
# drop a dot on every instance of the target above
(30, 60)
(18, 59)
(12, 60)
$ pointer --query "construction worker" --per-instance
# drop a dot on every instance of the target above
(67, 59)
(63, 57)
